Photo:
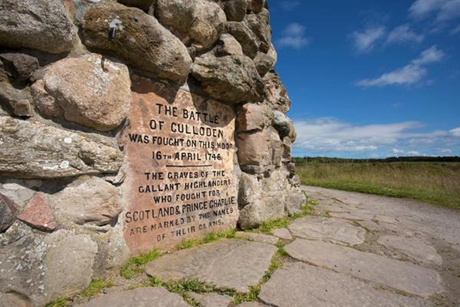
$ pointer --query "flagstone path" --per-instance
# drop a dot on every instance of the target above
(355, 250)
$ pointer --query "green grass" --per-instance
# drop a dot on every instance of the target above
(267, 226)
(281, 251)
(190, 285)
(60, 302)
(208, 238)
(96, 287)
(251, 296)
(433, 182)
(185, 286)
(254, 290)
(133, 267)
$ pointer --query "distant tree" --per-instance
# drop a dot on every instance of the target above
(300, 161)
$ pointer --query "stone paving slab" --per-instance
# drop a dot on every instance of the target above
(399, 229)
(411, 214)
(140, 297)
(362, 215)
(385, 219)
(327, 229)
(212, 300)
(231, 263)
(371, 226)
(412, 247)
(392, 273)
(282, 233)
(252, 304)
(354, 216)
(257, 237)
(332, 208)
(302, 285)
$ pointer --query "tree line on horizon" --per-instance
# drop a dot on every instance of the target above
(301, 160)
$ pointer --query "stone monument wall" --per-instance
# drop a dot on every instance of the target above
(131, 125)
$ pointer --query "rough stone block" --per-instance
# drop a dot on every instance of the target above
(235, 9)
(245, 37)
(137, 38)
(251, 117)
(37, 214)
(201, 20)
(42, 25)
(233, 79)
(88, 200)
(92, 91)
(8, 212)
(36, 150)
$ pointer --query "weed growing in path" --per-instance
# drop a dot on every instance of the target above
(185, 286)
(133, 267)
(267, 226)
(208, 238)
(254, 291)
(60, 302)
(281, 251)
(96, 287)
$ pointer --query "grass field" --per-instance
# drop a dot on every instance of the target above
(434, 182)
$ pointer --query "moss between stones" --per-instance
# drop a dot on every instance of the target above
(276, 263)
(133, 267)
(60, 302)
(183, 287)
(208, 238)
(267, 226)
(95, 287)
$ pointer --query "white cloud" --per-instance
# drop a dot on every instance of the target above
(332, 135)
(444, 10)
(410, 74)
(293, 36)
(428, 56)
(449, 11)
(401, 153)
(326, 135)
(455, 132)
(365, 41)
(289, 5)
(422, 8)
(404, 34)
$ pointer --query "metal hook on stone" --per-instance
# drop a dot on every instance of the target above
(112, 32)
(114, 26)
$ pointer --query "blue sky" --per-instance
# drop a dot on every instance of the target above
(371, 78)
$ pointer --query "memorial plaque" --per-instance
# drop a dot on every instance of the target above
(180, 181)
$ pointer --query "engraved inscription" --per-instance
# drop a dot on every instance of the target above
(180, 182)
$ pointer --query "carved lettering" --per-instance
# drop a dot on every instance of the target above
(180, 182)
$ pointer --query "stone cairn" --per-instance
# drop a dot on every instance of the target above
(66, 71)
